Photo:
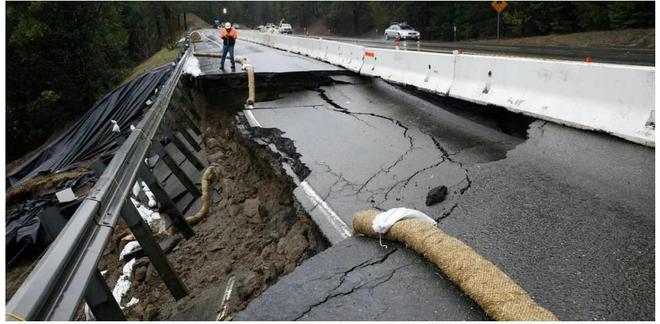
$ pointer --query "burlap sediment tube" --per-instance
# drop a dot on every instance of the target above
(497, 294)
(207, 178)
(249, 69)
(196, 37)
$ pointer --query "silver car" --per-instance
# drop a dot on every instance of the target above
(403, 30)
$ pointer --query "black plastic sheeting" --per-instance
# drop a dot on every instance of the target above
(89, 137)
(25, 232)
(92, 134)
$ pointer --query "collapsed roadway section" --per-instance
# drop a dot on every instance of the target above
(568, 214)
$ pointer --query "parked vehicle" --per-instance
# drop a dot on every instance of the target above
(403, 31)
(285, 29)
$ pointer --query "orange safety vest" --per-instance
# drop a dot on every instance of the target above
(231, 33)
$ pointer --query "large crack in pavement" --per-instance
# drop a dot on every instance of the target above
(333, 293)
(338, 108)
(446, 157)
(339, 179)
(406, 181)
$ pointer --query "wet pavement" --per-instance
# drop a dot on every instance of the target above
(568, 214)
(370, 144)
(357, 280)
(264, 59)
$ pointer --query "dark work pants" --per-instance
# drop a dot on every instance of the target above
(227, 49)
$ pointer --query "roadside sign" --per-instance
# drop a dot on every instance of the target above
(499, 5)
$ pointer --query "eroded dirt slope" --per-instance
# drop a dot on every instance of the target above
(255, 233)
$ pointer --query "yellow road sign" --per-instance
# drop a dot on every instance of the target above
(499, 5)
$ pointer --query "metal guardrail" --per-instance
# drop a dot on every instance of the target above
(56, 286)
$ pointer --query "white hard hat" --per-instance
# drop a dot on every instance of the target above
(227, 25)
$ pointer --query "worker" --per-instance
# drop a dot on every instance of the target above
(228, 35)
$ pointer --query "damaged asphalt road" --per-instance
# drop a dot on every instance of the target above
(355, 138)
(567, 214)
(358, 280)
(560, 212)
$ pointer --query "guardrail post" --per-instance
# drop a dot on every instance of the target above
(152, 250)
(98, 295)
(182, 147)
(168, 205)
(190, 186)
(100, 300)
(187, 119)
(177, 128)
(188, 137)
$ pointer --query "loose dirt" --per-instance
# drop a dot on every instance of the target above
(255, 232)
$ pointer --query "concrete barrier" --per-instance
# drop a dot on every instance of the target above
(427, 71)
(287, 43)
(309, 47)
(386, 65)
(617, 99)
(432, 72)
(252, 36)
(369, 62)
(348, 56)
(305, 46)
(352, 57)
(270, 39)
(328, 51)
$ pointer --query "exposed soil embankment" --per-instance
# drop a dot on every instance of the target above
(255, 232)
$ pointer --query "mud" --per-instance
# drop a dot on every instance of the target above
(255, 231)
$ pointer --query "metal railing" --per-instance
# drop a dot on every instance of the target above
(58, 283)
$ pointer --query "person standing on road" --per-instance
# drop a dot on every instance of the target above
(228, 35)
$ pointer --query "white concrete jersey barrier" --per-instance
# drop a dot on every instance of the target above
(286, 43)
(345, 55)
(385, 64)
(352, 57)
(309, 47)
(616, 99)
(427, 71)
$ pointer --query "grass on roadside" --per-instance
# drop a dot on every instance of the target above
(161, 57)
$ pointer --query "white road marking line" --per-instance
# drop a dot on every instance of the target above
(337, 223)
(251, 119)
(330, 214)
